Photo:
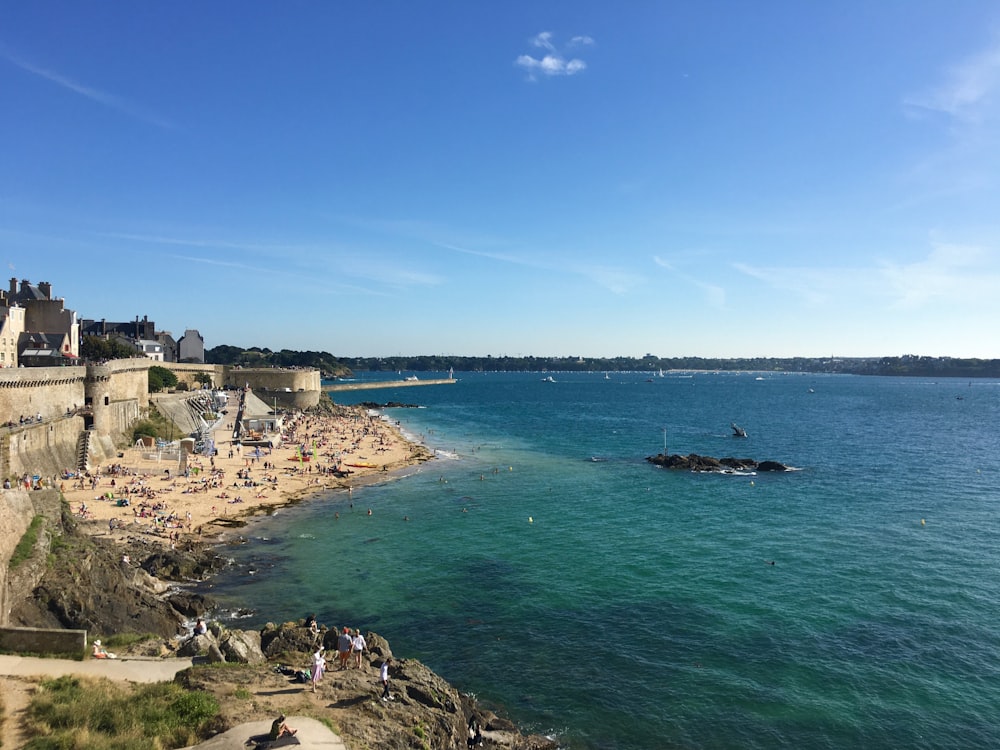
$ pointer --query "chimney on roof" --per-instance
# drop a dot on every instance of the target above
(13, 286)
(45, 288)
(25, 286)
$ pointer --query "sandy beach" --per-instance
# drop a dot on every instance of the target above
(138, 494)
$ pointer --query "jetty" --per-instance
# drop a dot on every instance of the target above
(374, 384)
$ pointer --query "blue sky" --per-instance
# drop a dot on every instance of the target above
(550, 178)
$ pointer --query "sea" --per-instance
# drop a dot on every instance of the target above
(541, 563)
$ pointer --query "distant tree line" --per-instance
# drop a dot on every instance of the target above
(326, 363)
(330, 366)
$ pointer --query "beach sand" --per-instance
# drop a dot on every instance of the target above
(238, 482)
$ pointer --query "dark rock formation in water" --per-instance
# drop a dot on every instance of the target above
(694, 462)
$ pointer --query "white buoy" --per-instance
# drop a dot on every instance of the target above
(530, 519)
(923, 522)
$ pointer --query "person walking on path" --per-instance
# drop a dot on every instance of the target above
(384, 674)
(344, 646)
(358, 646)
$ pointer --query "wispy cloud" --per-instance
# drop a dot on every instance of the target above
(714, 294)
(553, 62)
(950, 275)
(88, 92)
(291, 258)
(969, 92)
(614, 279)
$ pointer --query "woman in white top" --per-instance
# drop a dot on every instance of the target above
(319, 664)
(358, 646)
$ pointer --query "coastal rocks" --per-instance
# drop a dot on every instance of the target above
(196, 645)
(293, 642)
(242, 646)
(696, 463)
(177, 565)
(89, 585)
(425, 711)
(387, 405)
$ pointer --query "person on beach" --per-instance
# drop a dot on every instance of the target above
(318, 667)
(344, 645)
(358, 646)
(384, 675)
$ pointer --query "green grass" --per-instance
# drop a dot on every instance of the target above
(26, 545)
(71, 713)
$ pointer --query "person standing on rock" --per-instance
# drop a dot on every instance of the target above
(358, 646)
(384, 675)
(344, 646)
(318, 667)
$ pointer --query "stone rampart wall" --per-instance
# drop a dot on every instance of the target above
(265, 378)
(43, 449)
(49, 391)
(186, 373)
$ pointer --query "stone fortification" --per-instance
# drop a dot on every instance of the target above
(49, 391)
(292, 389)
(105, 401)
(186, 373)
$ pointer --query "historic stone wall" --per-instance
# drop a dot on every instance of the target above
(265, 378)
(118, 393)
(43, 449)
(49, 391)
(186, 372)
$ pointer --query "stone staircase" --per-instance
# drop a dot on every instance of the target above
(83, 451)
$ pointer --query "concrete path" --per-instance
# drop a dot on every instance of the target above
(309, 732)
(130, 670)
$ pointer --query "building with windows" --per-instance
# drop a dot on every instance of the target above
(30, 308)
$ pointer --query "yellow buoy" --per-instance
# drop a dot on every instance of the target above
(510, 468)
(530, 519)
(923, 522)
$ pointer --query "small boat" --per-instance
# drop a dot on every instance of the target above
(410, 379)
(548, 379)
(738, 431)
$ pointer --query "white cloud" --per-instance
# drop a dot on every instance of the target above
(715, 295)
(95, 95)
(553, 63)
(969, 93)
(951, 273)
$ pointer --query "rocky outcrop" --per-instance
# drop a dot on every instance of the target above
(425, 711)
(242, 646)
(94, 584)
(694, 462)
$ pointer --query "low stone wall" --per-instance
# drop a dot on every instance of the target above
(43, 641)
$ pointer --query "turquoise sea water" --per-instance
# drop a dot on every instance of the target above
(621, 606)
